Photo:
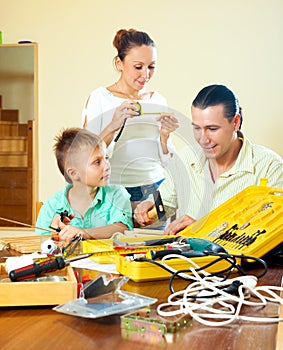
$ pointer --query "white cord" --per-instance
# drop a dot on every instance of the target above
(204, 295)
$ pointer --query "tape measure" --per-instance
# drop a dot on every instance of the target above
(116, 251)
(127, 250)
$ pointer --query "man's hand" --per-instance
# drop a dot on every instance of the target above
(142, 213)
(178, 225)
(169, 123)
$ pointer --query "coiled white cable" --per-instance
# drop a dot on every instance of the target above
(205, 298)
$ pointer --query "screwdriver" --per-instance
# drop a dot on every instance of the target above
(38, 269)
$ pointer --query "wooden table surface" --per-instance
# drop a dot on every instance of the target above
(43, 328)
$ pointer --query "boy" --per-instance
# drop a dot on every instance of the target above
(96, 209)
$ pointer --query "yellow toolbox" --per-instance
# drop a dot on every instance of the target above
(140, 270)
(250, 224)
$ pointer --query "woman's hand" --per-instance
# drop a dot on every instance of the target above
(126, 110)
(178, 225)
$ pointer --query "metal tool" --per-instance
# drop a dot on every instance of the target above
(48, 278)
(63, 214)
(218, 230)
(158, 210)
(159, 206)
(70, 248)
(100, 286)
(248, 222)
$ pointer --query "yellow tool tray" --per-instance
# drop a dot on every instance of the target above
(139, 271)
(250, 223)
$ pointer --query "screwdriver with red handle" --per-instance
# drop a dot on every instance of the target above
(38, 269)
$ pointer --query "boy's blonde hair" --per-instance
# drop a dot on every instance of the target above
(69, 142)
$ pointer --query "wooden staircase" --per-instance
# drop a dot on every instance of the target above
(15, 168)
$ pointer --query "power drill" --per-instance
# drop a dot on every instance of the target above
(197, 247)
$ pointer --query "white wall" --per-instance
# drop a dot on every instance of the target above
(237, 43)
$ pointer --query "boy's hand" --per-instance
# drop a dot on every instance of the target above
(55, 222)
(58, 224)
(69, 232)
(58, 218)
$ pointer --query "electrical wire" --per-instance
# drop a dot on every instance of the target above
(207, 291)
(207, 311)
(120, 131)
(231, 259)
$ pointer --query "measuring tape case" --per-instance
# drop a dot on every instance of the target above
(250, 223)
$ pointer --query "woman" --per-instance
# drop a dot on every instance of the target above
(139, 154)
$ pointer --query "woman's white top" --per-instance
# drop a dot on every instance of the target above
(136, 158)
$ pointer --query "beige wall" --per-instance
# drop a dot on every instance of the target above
(237, 43)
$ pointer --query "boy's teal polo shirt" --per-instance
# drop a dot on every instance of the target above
(111, 205)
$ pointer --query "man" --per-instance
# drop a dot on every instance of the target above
(223, 164)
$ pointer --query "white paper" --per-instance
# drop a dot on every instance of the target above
(92, 265)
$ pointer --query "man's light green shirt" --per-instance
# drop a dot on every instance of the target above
(190, 188)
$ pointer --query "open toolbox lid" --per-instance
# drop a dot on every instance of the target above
(250, 223)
